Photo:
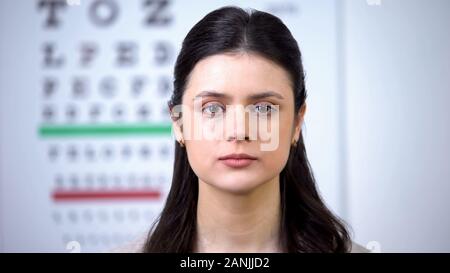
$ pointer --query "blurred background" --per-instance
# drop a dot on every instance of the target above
(86, 148)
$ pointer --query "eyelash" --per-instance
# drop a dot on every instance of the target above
(268, 105)
(212, 104)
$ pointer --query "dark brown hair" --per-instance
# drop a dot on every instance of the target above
(307, 225)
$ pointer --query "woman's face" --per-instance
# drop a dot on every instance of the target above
(223, 87)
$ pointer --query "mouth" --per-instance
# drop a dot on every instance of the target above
(237, 160)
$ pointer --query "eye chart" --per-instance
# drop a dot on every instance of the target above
(85, 136)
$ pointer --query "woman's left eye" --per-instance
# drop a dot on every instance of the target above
(264, 108)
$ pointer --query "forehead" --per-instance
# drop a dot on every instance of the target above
(238, 74)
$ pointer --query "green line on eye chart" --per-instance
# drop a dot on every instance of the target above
(105, 130)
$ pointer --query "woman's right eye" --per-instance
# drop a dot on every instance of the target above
(212, 110)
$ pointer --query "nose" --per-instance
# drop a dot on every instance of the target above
(236, 121)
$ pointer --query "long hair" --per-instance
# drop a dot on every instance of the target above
(307, 225)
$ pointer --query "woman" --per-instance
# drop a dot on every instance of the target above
(232, 193)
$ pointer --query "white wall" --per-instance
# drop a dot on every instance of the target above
(397, 68)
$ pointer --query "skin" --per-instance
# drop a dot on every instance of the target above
(238, 208)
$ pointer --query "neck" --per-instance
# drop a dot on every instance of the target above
(228, 222)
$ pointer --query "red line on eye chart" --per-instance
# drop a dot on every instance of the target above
(95, 195)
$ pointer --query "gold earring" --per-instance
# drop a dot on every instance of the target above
(294, 143)
(181, 142)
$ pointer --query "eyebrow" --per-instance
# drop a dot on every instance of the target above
(262, 95)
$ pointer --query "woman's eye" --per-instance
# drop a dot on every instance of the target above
(264, 108)
(212, 109)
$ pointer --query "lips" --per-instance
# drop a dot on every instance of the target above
(237, 160)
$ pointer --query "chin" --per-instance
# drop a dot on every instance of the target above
(236, 184)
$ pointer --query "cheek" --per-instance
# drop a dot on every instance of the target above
(275, 161)
(277, 158)
(200, 154)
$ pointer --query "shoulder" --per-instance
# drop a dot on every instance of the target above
(357, 248)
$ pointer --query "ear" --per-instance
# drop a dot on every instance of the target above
(299, 122)
(177, 131)
(176, 124)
